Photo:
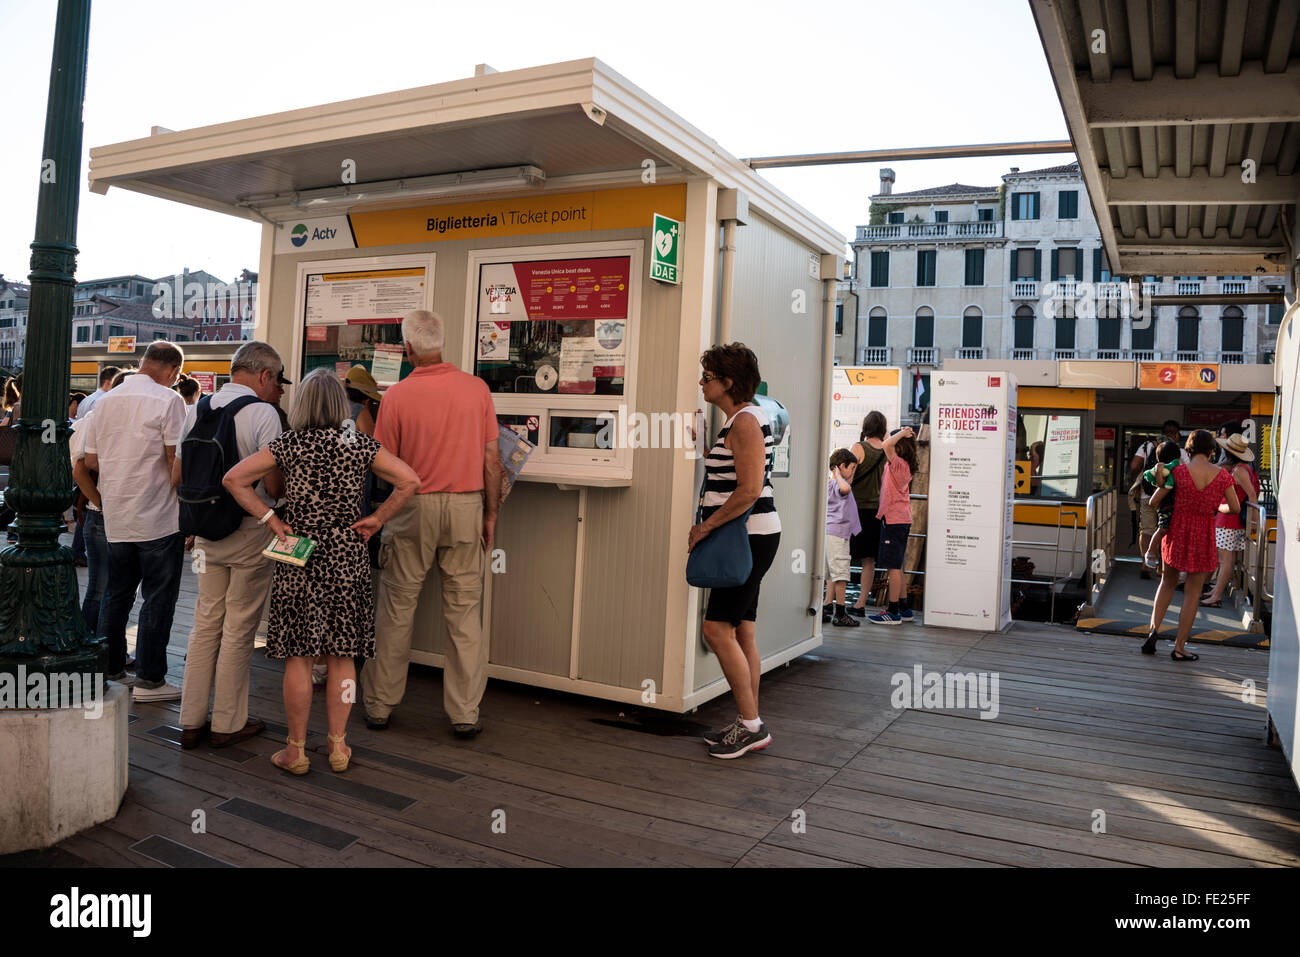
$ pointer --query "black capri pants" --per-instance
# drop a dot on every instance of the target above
(740, 602)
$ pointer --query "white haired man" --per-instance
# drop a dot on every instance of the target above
(235, 576)
(442, 423)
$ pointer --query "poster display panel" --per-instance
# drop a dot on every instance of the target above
(972, 477)
(855, 392)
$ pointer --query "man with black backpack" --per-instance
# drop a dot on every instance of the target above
(221, 429)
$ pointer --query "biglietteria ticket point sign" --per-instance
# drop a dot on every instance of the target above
(972, 488)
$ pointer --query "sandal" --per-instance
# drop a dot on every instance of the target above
(299, 766)
(1184, 656)
(339, 759)
(1217, 603)
(1149, 646)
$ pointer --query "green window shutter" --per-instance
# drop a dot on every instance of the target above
(920, 268)
(1035, 207)
(1096, 264)
(1015, 206)
(1013, 254)
(1038, 265)
(1056, 264)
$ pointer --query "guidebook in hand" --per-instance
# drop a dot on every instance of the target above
(514, 450)
(295, 550)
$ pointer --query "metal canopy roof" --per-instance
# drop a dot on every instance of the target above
(1166, 102)
(575, 121)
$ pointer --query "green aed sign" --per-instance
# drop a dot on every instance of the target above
(666, 241)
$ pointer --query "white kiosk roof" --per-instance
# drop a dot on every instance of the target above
(574, 121)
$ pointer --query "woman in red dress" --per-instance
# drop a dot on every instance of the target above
(1189, 547)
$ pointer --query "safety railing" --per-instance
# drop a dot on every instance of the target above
(1099, 518)
(1255, 576)
(1058, 578)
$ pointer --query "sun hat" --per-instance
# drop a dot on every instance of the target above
(1237, 446)
(361, 380)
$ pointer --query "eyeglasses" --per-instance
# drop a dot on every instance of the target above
(708, 377)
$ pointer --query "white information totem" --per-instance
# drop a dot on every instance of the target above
(972, 498)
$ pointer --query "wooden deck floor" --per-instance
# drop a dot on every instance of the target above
(1169, 753)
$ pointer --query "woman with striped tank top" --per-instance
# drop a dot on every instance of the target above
(737, 475)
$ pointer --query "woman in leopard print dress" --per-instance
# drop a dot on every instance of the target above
(327, 606)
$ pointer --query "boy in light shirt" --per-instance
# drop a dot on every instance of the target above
(842, 522)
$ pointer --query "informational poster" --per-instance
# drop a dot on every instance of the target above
(494, 342)
(1061, 457)
(207, 381)
(386, 366)
(361, 296)
(555, 289)
(972, 481)
(857, 391)
(611, 347)
(121, 343)
(577, 366)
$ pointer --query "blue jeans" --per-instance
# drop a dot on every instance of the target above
(97, 565)
(155, 568)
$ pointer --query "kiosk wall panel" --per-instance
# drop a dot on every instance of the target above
(626, 579)
(772, 269)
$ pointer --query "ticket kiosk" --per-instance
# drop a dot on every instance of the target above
(567, 228)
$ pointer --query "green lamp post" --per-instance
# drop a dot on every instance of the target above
(41, 628)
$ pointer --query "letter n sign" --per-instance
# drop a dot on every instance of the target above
(663, 257)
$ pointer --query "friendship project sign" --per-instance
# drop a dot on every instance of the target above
(972, 488)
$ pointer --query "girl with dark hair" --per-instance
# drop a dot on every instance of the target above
(12, 399)
(189, 389)
(896, 521)
(869, 451)
(738, 478)
(1189, 545)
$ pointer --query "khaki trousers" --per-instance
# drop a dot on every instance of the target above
(442, 528)
(233, 582)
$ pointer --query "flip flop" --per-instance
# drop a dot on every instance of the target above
(1218, 603)
(1184, 656)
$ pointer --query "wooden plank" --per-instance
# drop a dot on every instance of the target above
(1076, 815)
(770, 855)
(856, 849)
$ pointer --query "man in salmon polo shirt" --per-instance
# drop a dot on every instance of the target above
(441, 422)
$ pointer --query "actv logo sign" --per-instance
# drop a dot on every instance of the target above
(301, 233)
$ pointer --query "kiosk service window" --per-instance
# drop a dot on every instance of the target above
(554, 337)
(350, 313)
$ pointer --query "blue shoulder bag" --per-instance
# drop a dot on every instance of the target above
(722, 559)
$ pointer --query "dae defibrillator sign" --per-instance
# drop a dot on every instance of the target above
(663, 257)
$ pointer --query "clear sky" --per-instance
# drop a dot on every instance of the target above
(760, 77)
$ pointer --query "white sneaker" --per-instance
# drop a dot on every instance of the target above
(161, 692)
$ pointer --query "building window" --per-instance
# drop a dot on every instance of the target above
(1275, 309)
(1065, 332)
(1144, 337)
(839, 318)
(972, 329)
(1024, 328)
(923, 331)
(159, 335)
(941, 215)
(925, 262)
(877, 328)
(1026, 263)
(974, 267)
(984, 215)
(99, 332)
(1024, 206)
(1233, 330)
(895, 217)
(1100, 266)
(880, 269)
(116, 331)
(1189, 323)
(1108, 331)
(1066, 264)
(1067, 204)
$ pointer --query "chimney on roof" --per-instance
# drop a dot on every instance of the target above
(886, 181)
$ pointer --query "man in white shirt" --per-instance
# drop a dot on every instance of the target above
(131, 442)
(234, 576)
(106, 375)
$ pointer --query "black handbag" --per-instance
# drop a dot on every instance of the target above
(722, 559)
